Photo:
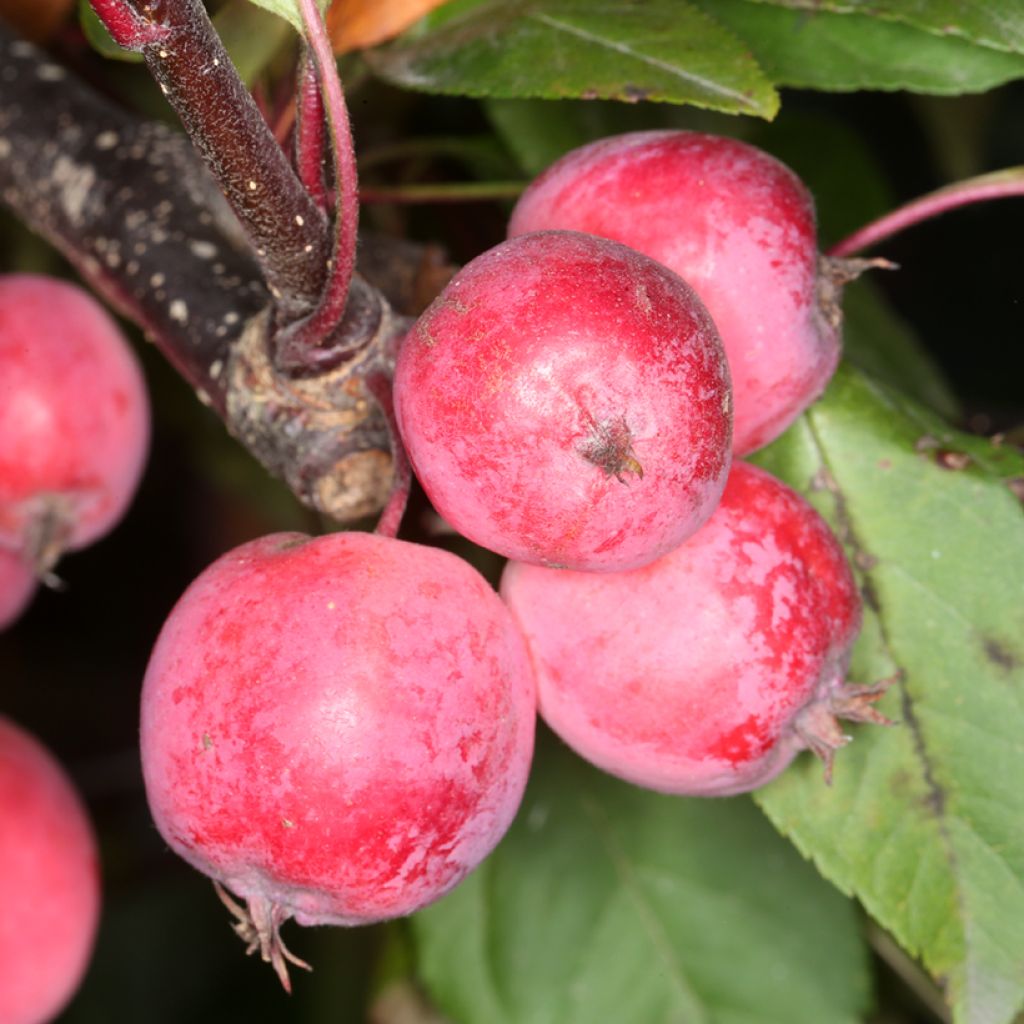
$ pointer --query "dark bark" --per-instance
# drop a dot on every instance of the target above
(287, 229)
(134, 209)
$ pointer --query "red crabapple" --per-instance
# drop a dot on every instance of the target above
(49, 882)
(566, 401)
(735, 223)
(17, 585)
(336, 729)
(74, 419)
(707, 671)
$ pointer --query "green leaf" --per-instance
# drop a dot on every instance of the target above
(923, 822)
(289, 10)
(609, 903)
(553, 49)
(842, 52)
(251, 36)
(995, 23)
(283, 9)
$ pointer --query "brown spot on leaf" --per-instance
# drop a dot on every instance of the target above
(947, 458)
(999, 654)
(635, 93)
(870, 596)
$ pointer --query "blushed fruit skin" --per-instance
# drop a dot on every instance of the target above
(17, 585)
(337, 728)
(49, 882)
(738, 226)
(74, 416)
(565, 401)
(686, 676)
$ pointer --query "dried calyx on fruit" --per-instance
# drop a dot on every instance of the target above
(732, 658)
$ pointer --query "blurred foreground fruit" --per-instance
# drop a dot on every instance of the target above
(49, 882)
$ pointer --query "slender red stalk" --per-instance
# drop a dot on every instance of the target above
(301, 345)
(997, 185)
(129, 28)
(390, 521)
(310, 141)
(188, 60)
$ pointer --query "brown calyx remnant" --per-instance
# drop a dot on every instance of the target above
(836, 271)
(258, 926)
(817, 725)
(610, 447)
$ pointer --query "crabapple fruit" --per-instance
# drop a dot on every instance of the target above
(49, 882)
(731, 657)
(336, 729)
(735, 223)
(17, 585)
(566, 401)
(74, 419)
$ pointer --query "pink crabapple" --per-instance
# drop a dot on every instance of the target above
(706, 672)
(74, 419)
(735, 223)
(336, 729)
(566, 401)
(49, 882)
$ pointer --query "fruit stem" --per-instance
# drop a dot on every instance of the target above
(301, 345)
(189, 62)
(996, 185)
(310, 143)
(390, 521)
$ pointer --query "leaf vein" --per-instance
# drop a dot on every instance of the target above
(708, 85)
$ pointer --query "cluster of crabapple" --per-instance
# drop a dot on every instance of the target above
(573, 400)
(338, 729)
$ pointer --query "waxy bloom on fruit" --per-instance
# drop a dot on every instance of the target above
(336, 729)
(706, 672)
(49, 882)
(565, 401)
(738, 226)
